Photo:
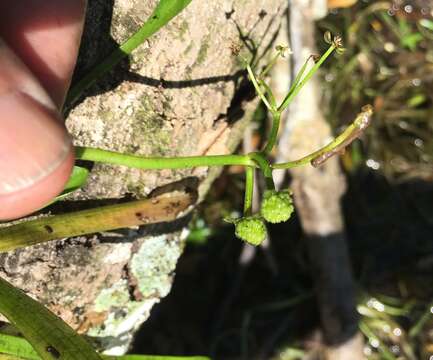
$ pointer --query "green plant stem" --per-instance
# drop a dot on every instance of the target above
(258, 89)
(271, 63)
(299, 76)
(156, 163)
(288, 99)
(249, 189)
(269, 93)
(265, 167)
(420, 323)
(365, 329)
(307, 159)
(352, 132)
(297, 85)
(276, 117)
(163, 13)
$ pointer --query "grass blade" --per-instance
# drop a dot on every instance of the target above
(50, 337)
(77, 179)
(19, 348)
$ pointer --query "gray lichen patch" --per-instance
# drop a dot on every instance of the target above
(153, 265)
(116, 296)
(123, 316)
(151, 269)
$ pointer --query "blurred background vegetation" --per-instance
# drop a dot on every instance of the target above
(232, 304)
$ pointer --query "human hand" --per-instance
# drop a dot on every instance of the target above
(39, 42)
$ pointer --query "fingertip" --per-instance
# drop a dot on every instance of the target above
(35, 155)
(30, 199)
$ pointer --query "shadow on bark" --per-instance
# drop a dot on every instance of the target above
(96, 45)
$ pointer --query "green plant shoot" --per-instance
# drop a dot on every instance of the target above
(68, 224)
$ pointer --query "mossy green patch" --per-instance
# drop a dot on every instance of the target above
(151, 268)
(188, 48)
(123, 314)
(116, 296)
(150, 129)
(183, 29)
(202, 52)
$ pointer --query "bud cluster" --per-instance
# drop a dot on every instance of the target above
(277, 206)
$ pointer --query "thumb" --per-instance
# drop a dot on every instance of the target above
(35, 151)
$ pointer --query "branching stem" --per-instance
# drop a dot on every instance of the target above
(288, 99)
(157, 163)
(258, 89)
(265, 167)
(352, 132)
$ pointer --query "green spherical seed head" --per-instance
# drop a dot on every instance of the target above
(251, 229)
(276, 206)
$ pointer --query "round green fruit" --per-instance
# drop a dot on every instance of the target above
(277, 206)
(251, 229)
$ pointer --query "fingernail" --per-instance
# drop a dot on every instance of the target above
(33, 142)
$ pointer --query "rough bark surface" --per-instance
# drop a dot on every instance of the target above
(177, 95)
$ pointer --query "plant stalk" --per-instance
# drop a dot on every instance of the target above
(265, 167)
(352, 132)
(276, 117)
(307, 77)
(249, 189)
(159, 163)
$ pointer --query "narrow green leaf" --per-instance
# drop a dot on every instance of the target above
(20, 348)
(50, 337)
(154, 357)
(17, 346)
(77, 179)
